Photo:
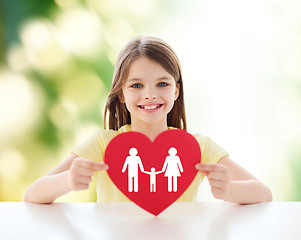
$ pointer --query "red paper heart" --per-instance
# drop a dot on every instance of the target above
(153, 155)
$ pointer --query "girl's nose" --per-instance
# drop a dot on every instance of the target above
(150, 94)
(154, 97)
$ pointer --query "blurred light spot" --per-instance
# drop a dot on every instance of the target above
(117, 34)
(12, 164)
(102, 104)
(43, 45)
(292, 68)
(84, 88)
(84, 132)
(288, 115)
(66, 3)
(141, 8)
(19, 105)
(82, 30)
(17, 58)
(292, 11)
(107, 9)
(64, 114)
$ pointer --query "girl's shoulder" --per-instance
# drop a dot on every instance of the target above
(94, 146)
(211, 151)
(200, 138)
(106, 135)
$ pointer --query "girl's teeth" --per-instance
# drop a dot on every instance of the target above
(150, 107)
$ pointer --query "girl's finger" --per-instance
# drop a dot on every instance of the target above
(102, 167)
(86, 172)
(96, 166)
(83, 186)
(202, 170)
(206, 167)
(218, 176)
(99, 167)
(217, 192)
(209, 167)
(216, 184)
(84, 180)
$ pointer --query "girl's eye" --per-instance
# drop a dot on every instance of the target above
(162, 84)
(136, 85)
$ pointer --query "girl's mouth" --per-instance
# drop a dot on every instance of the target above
(150, 107)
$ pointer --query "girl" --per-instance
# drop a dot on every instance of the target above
(146, 96)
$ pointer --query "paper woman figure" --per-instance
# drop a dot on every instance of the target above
(132, 162)
(152, 174)
(172, 167)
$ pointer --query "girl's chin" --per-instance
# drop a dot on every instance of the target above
(149, 121)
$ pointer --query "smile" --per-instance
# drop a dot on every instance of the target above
(150, 107)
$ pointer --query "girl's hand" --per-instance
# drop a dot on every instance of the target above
(81, 172)
(218, 177)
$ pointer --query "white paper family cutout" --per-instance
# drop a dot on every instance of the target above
(172, 167)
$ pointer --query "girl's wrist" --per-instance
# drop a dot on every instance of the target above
(247, 192)
(228, 193)
(61, 182)
(66, 183)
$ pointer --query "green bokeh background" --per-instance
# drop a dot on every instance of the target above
(46, 55)
(56, 65)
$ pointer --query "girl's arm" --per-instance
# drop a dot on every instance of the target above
(72, 174)
(231, 182)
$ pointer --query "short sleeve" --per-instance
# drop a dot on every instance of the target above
(91, 149)
(211, 152)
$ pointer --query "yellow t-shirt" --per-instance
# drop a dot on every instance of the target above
(94, 147)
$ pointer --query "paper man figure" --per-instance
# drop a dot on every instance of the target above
(152, 174)
(172, 167)
(132, 163)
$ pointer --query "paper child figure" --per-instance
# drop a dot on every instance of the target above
(152, 174)
(132, 162)
(172, 167)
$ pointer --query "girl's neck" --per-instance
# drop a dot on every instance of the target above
(150, 130)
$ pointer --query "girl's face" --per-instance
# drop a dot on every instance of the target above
(149, 92)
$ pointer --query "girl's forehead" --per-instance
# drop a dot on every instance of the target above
(144, 62)
(145, 67)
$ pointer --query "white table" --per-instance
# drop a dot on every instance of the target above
(214, 220)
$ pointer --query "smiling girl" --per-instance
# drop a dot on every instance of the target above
(146, 96)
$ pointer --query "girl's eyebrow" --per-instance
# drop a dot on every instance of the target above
(133, 79)
(141, 79)
(165, 78)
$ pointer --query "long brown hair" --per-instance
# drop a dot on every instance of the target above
(159, 51)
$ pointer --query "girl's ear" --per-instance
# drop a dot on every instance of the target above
(177, 91)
